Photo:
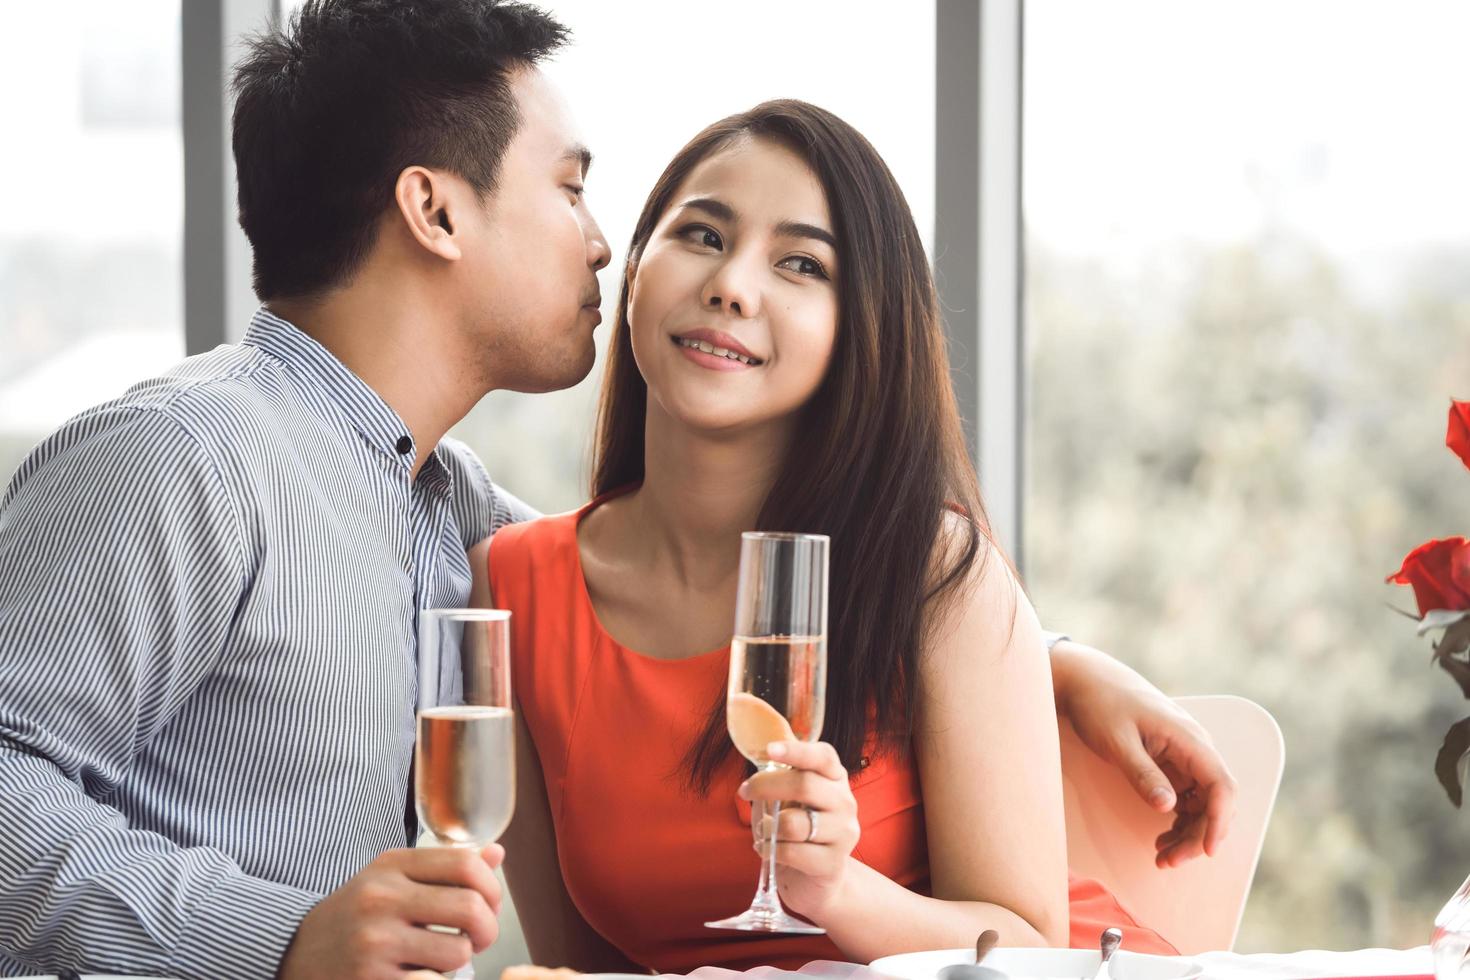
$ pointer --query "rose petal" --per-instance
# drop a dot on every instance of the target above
(1458, 435)
(1460, 569)
(1428, 569)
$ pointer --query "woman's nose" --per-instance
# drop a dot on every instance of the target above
(734, 289)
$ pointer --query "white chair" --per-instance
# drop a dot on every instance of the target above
(1111, 831)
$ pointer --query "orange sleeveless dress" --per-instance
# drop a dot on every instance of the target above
(647, 860)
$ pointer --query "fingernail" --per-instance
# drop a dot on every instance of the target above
(744, 791)
(776, 750)
(1161, 797)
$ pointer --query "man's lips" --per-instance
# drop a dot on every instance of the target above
(594, 306)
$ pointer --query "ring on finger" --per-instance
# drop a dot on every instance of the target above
(811, 833)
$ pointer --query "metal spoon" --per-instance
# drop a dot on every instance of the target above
(1111, 937)
(963, 971)
(985, 944)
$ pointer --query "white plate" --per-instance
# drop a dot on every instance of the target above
(1041, 964)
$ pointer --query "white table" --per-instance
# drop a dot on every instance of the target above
(1315, 963)
(1306, 964)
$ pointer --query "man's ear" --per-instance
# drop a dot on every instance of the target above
(429, 210)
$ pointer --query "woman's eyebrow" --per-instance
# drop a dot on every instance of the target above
(712, 207)
(799, 229)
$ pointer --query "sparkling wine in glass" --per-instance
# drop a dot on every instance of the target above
(464, 759)
(778, 682)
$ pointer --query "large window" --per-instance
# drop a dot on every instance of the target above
(1247, 305)
(90, 276)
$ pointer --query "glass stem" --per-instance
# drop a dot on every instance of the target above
(767, 898)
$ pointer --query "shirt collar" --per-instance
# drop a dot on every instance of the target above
(327, 377)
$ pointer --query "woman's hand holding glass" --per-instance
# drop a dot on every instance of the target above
(818, 825)
(777, 687)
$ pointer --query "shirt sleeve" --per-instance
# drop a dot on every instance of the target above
(121, 567)
(510, 509)
(1052, 639)
(481, 507)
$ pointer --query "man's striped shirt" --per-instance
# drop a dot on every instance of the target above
(208, 599)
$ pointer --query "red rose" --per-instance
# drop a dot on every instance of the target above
(1460, 569)
(1439, 571)
(1458, 436)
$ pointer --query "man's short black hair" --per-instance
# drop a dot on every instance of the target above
(334, 105)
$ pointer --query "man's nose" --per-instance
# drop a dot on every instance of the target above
(598, 253)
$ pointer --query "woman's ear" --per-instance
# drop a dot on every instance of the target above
(429, 210)
(630, 270)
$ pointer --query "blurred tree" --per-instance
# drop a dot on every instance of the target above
(1223, 466)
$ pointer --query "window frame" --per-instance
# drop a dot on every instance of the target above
(978, 258)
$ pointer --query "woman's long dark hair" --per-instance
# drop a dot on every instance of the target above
(879, 454)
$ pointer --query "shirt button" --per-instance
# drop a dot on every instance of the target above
(404, 445)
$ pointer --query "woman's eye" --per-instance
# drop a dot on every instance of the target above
(575, 190)
(702, 235)
(803, 265)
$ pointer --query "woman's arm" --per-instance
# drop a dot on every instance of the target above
(987, 751)
(1163, 752)
(556, 934)
(989, 762)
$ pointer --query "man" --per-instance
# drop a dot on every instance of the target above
(209, 587)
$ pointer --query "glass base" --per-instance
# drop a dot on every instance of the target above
(764, 920)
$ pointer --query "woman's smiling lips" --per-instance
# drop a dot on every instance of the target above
(715, 349)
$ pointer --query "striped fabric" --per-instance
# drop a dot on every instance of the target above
(208, 595)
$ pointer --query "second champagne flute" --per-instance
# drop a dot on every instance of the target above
(464, 762)
(778, 682)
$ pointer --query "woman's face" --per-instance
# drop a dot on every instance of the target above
(733, 306)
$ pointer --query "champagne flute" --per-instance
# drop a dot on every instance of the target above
(464, 761)
(778, 682)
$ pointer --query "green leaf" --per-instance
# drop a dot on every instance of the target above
(1447, 763)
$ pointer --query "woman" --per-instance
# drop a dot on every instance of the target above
(778, 363)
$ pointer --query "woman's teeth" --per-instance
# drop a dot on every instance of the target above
(709, 348)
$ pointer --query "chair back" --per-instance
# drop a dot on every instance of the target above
(1111, 831)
